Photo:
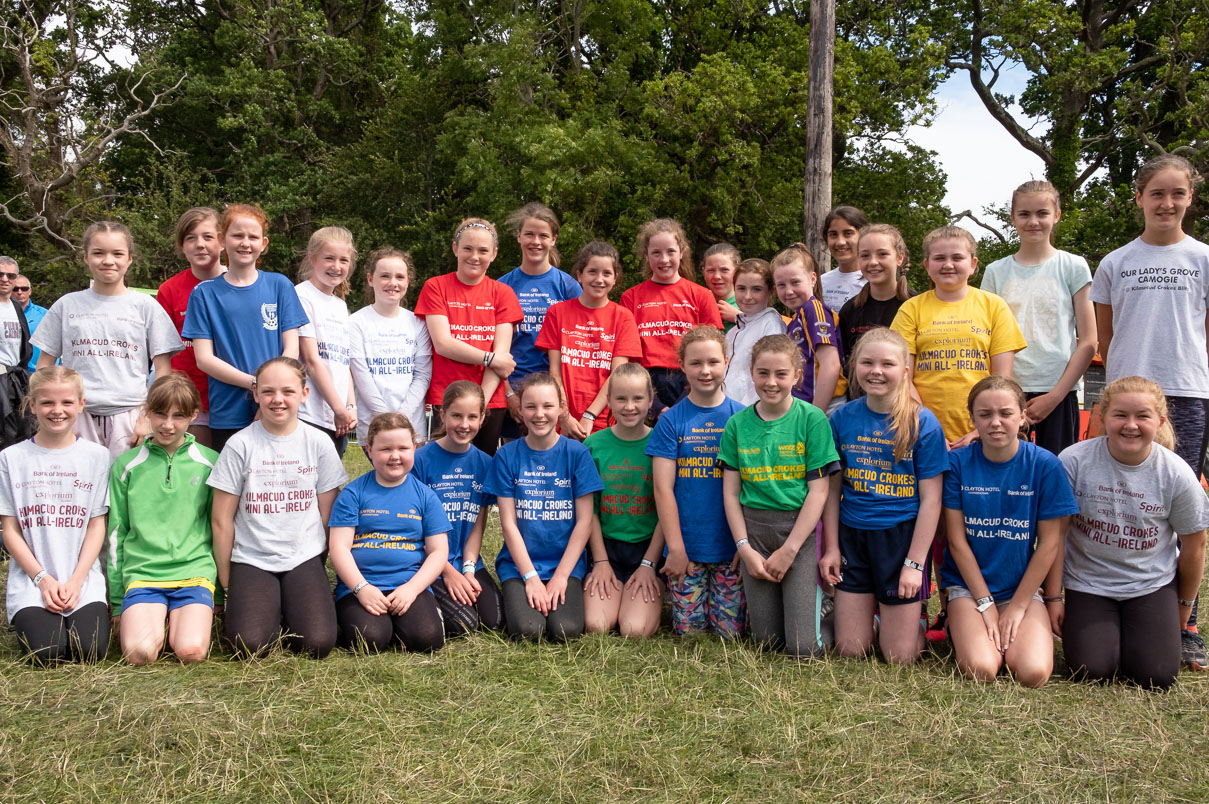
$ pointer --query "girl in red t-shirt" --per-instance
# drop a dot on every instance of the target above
(587, 338)
(667, 305)
(470, 317)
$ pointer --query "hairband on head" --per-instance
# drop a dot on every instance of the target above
(472, 225)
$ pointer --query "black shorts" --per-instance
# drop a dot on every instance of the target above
(626, 557)
(873, 559)
(1060, 428)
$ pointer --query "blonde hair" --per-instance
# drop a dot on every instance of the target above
(950, 233)
(541, 212)
(388, 421)
(778, 344)
(997, 382)
(904, 410)
(329, 236)
(799, 254)
(172, 391)
(189, 220)
(1037, 187)
(665, 226)
(1161, 163)
(902, 291)
(699, 334)
(52, 375)
(371, 264)
(1165, 437)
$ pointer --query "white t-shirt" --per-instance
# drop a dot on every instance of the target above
(10, 334)
(111, 341)
(739, 342)
(839, 287)
(328, 327)
(1122, 544)
(54, 493)
(1040, 298)
(391, 360)
(1159, 295)
(277, 480)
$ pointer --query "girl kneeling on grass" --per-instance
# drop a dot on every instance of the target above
(457, 470)
(1004, 502)
(776, 456)
(56, 590)
(703, 579)
(883, 508)
(161, 555)
(626, 543)
(544, 485)
(1135, 551)
(274, 485)
(389, 541)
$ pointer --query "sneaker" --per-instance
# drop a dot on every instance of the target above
(1192, 651)
(936, 631)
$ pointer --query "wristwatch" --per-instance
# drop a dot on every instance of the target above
(984, 603)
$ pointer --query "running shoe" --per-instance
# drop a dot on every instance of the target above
(1192, 650)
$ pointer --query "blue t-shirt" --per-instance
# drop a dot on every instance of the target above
(536, 295)
(880, 492)
(545, 485)
(245, 324)
(457, 479)
(690, 436)
(390, 527)
(1002, 504)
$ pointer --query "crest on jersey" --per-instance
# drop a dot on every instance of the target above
(268, 315)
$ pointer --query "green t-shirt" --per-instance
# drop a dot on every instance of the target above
(727, 326)
(627, 504)
(774, 458)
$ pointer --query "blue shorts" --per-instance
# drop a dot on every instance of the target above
(871, 561)
(173, 597)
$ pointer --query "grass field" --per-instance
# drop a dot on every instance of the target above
(601, 719)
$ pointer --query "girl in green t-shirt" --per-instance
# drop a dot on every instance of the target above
(626, 544)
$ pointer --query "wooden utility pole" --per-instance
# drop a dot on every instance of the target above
(819, 102)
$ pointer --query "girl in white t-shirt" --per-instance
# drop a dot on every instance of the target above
(54, 494)
(274, 485)
(323, 345)
(390, 353)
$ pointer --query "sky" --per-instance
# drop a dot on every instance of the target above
(983, 162)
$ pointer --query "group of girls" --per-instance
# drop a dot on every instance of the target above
(708, 466)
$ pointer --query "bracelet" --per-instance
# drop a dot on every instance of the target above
(530, 574)
(915, 565)
(646, 562)
(38, 578)
(739, 545)
(364, 583)
(468, 566)
(589, 415)
(508, 392)
(1185, 603)
(1051, 598)
(984, 603)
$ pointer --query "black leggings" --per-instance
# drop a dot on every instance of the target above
(49, 638)
(419, 629)
(260, 603)
(524, 621)
(1137, 639)
(487, 612)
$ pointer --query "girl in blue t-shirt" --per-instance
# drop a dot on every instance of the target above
(884, 504)
(388, 542)
(457, 471)
(703, 579)
(1004, 500)
(544, 485)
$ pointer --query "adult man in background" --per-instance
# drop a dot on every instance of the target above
(34, 313)
(15, 353)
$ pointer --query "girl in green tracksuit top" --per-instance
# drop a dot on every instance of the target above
(161, 564)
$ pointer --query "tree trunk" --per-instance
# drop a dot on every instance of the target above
(820, 95)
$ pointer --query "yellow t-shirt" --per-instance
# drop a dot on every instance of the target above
(953, 343)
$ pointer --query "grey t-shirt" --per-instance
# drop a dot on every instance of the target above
(278, 480)
(1159, 295)
(110, 340)
(54, 493)
(1122, 543)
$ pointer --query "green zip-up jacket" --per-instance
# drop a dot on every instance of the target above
(159, 519)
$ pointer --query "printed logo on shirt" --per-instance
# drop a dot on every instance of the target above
(268, 315)
(12, 329)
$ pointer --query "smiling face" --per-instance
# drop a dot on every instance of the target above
(704, 367)
(663, 256)
(330, 266)
(279, 392)
(540, 408)
(794, 284)
(719, 274)
(389, 280)
(392, 453)
(1164, 201)
(1131, 423)
(536, 238)
(244, 241)
(629, 399)
(751, 293)
(950, 264)
(56, 406)
(880, 370)
(1034, 216)
(475, 250)
(108, 257)
(463, 418)
(997, 417)
(597, 279)
(775, 374)
(879, 261)
(201, 245)
(841, 241)
(168, 429)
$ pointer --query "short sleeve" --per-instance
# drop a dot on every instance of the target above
(571, 289)
(952, 495)
(628, 343)
(1057, 498)
(1189, 511)
(501, 478)
(432, 299)
(627, 300)
(435, 520)
(197, 315)
(331, 470)
(990, 278)
(507, 306)
(1078, 275)
(931, 449)
(820, 443)
(728, 445)
(162, 337)
(346, 511)
(289, 308)
(1101, 282)
(587, 478)
(49, 335)
(1005, 332)
(707, 307)
(100, 489)
(228, 474)
(904, 324)
(550, 335)
(662, 443)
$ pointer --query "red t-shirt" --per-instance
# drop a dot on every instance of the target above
(173, 296)
(588, 339)
(473, 312)
(664, 313)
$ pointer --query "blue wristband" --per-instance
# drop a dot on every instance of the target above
(529, 574)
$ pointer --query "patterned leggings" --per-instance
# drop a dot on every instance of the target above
(709, 598)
